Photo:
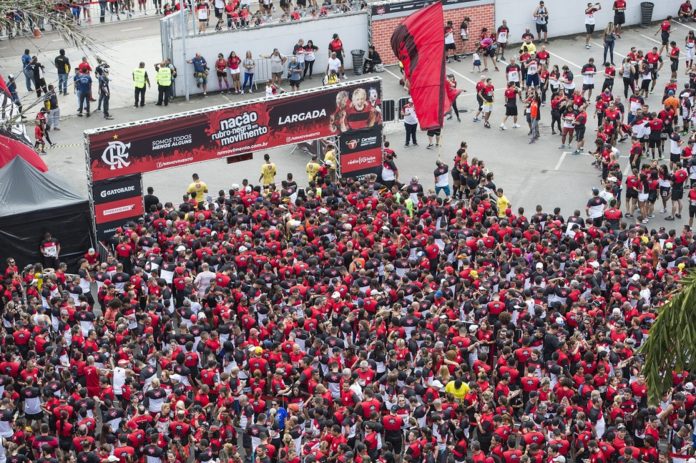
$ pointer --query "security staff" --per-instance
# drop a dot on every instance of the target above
(164, 83)
(140, 80)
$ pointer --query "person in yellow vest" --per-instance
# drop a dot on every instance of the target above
(330, 161)
(198, 187)
(164, 83)
(313, 168)
(140, 80)
(268, 171)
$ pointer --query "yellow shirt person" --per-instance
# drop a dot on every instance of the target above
(268, 171)
(199, 187)
(458, 388)
(313, 168)
(502, 203)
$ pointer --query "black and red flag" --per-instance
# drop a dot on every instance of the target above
(419, 43)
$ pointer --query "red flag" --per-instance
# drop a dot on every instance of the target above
(11, 147)
(419, 43)
(4, 88)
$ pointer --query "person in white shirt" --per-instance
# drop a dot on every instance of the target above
(334, 64)
(590, 21)
(441, 175)
(408, 112)
(203, 279)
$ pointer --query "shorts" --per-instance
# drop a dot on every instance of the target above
(653, 141)
(652, 196)
(645, 84)
(487, 106)
(450, 46)
(510, 110)
(480, 102)
(235, 71)
(579, 133)
(541, 28)
(532, 80)
(665, 38)
(221, 74)
(675, 158)
(567, 131)
(631, 193)
(619, 18)
(664, 191)
(692, 211)
(589, 28)
(433, 133)
(218, 13)
(674, 65)
(677, 193)
(587, 87)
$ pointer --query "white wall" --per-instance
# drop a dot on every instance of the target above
(351, 27)
(567, 17)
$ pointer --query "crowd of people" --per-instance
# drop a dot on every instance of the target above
(346, 320)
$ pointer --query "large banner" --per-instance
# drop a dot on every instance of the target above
(230, 130)
(361, 152)
(116, 202)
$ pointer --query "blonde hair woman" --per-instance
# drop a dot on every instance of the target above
(609, 40)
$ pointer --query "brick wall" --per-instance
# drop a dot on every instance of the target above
(481, 16)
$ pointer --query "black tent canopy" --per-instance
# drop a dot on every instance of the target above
(34, 202)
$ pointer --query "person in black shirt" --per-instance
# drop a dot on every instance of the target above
(150, 199)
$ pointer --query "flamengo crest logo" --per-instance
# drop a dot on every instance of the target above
(116, 154)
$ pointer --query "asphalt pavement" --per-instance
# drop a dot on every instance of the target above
(529, 174)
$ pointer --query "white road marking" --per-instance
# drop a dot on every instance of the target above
(651, 39)
(683, 25)
(391, 73)
(131, 29)
(602, 46)
(560, 160)
(462, 76)
(567, 61)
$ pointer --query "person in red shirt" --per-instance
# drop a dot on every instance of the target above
(679, 178)
(664, 30)
(674, 52)
(685, 11)
(510, 96)
(619, 15)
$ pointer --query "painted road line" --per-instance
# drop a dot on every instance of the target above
(656, 41)
(683, 25)
(602, 46)
(462, 76)
(563, 59)
(651, 39)
(560, 160)
(392, 74)
(131, 29)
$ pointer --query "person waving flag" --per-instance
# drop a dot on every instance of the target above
(420, 49)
